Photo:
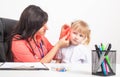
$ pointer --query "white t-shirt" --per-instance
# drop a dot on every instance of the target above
(74, 54)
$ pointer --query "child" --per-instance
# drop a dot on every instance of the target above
(79, 36)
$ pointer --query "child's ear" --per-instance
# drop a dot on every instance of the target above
(84, 41)
(64, 31)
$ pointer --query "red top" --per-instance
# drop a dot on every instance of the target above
(22, 51)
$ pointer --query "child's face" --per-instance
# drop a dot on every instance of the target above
(76, 37)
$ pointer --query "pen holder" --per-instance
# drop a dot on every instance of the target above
(103, 65)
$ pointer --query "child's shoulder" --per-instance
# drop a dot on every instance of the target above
(83, 47)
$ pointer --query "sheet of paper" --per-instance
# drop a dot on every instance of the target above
(23, 66)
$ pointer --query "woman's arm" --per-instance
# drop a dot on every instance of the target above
(50, 55)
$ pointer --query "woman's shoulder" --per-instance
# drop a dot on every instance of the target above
(17, 40)
(20, 46)
(18, 43)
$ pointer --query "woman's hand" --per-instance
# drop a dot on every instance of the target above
(63, 42)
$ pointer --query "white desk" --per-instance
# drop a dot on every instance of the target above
(75, 70)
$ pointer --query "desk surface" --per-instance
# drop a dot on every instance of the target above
(73, 70)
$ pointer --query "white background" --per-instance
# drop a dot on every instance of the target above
(103, 17)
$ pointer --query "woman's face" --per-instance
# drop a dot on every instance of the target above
(76, 37)
(43, 29)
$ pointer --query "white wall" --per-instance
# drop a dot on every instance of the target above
(103, 17)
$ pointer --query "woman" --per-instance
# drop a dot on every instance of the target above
(28, 41)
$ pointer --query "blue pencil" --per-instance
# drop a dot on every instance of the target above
(103, 64)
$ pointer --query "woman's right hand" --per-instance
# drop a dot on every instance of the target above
(63, 42)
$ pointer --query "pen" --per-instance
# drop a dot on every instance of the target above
(98, 50)
(105, 64)
(108, 49)
(2, 64)
(102, 46)
(107, 58)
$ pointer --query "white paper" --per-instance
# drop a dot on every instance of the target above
(21, 65)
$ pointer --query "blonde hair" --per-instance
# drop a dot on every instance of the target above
(83, 28)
